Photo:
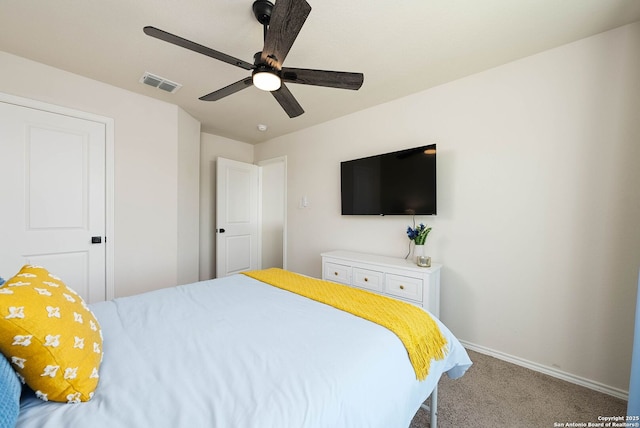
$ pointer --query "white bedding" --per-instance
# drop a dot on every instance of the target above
(235, 352)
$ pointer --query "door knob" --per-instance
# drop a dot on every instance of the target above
(221, 230)
(96, 239)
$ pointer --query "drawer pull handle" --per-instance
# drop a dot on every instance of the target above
(402, 287)
(366, 279)
(335, 273)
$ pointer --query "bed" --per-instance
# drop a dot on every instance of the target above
(238, 352)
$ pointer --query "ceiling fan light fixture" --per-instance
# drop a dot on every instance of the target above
(266, 80)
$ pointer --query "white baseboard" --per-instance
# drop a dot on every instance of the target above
(551, 371)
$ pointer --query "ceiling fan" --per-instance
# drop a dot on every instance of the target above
(282, 22)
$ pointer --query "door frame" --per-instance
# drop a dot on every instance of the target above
(277, 160)
(109, 173)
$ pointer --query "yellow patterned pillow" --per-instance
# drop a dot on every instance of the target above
(50, 336)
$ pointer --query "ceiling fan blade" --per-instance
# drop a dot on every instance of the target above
(288, 102)
(228, 90)
(286, 21)
(332, 79)
(188, 44)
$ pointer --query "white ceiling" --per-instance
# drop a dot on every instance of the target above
(402, 47)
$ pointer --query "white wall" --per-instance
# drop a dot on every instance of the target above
(146, 167)
(539, 199)
(212, 146)
(273, 216)
(188, 198)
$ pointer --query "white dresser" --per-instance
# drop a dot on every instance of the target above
(394, 277)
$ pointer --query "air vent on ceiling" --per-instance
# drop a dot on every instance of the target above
(159, 82)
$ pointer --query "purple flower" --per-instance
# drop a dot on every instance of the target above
(419, 234)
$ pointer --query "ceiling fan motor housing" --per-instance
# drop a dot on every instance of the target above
(262, 10)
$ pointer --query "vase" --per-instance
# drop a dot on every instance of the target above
(421, 259)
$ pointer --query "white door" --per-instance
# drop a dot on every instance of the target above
(52, 187)
(236, 217)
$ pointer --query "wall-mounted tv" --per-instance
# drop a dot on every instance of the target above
(397, 183)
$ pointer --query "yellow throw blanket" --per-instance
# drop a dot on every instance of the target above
(416, 329)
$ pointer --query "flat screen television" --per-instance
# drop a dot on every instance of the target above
(397, 183)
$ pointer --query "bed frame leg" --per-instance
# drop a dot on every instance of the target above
(432, 408)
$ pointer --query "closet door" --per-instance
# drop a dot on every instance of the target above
(52, 182)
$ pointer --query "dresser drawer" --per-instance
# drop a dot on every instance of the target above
(369, 279)
(394, 277)
(337, 273)
(405, 287)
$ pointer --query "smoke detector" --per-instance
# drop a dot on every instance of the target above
(159, 82)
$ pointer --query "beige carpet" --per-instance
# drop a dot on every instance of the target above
(494, 393)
